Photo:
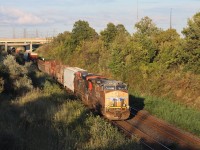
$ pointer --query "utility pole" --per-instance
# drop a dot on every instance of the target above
(170, 26)
(137, 10)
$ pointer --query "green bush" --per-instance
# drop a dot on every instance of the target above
(47, 120)
(1, 85)
(13, 67)
(22, 85)
(17, 78)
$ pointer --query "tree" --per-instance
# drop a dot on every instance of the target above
(192, 46)
(170, 35)
(62, 46)
(146, 31)
(82, 31)
(62, 38)
(146, 27)
(192, 35)
(108, 35)
(121, 30)
(169, 48)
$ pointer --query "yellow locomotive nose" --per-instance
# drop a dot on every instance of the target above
(117, 106)
(116, 98)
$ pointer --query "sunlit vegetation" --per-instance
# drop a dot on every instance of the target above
(153, 61)
(44, 122)
(185, 118)
(158, 64)
(175, 113)
(40, 115)
(48, 118)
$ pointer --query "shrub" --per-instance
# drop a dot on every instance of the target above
(1, 85)
(17, 76)
(13, 67)
(22, 85)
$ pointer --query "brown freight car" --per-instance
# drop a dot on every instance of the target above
(41, 65)
(44, 65)
(59, 72)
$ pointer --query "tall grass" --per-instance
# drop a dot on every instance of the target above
(49, 119)
(173, 112)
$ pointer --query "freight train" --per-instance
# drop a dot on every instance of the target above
(109, 97)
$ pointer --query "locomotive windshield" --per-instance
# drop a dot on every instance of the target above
(118, 87)
(121, 87)
(113, 85)
(109, 87)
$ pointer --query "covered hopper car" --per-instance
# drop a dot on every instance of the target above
(109, 97)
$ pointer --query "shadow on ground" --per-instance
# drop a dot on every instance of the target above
(136, 104)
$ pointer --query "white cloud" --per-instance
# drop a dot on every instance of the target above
(20, 17)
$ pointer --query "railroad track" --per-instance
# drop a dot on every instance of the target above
(183, 139)
(145, 139)
(157, 133)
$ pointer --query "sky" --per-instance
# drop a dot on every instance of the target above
(44, 18)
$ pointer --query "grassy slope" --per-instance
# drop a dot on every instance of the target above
(50, 119)
(183, 88)
(173, 112)
(173, 98)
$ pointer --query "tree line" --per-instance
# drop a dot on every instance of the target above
(118, 52)
(147, 60)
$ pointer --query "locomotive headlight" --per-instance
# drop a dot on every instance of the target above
(124, 105)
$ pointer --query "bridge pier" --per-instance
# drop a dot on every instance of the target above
(6, 46)
(31, 46)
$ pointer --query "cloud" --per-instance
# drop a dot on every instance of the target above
(92, 1)
(20, 17)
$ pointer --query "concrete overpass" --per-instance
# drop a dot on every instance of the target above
(23, 42)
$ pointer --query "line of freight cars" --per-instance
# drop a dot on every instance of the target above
(109, 97)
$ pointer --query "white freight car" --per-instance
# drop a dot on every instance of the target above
(69, 76)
